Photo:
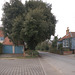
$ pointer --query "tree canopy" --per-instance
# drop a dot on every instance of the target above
(32, 22)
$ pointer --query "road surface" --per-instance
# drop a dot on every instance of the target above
(63, 64)
(33, 66)
(47, 64)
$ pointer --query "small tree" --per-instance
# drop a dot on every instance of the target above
(54, 43)
(43, 46)
(60, 48)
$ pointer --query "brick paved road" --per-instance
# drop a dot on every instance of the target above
(21, 67)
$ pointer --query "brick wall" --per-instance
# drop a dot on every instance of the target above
(67, 52)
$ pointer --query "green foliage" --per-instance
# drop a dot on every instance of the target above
(60, 47)
(44, 46)
(54, 47)
(53, 50)
(39, 23)
(54, 43)
(31, 22)
(32, 53)
(13, 19)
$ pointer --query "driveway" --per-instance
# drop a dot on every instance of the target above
(36, 66)
(63, 64)
(21, 67)
(47, 64)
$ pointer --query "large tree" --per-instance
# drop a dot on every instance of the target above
(31, 22)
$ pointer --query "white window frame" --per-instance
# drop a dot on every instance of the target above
(65, 43)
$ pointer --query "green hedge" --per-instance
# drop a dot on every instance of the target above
(54, 50)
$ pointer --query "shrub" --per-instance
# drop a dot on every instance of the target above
(32, 53)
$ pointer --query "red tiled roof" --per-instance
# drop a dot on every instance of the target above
(7, 41)
(71, 34)
(1, 33)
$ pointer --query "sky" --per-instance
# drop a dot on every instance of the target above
(64, 11)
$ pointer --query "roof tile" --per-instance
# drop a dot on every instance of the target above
(7, 41)
(65, 37)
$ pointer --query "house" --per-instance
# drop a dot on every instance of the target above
(8, 46)
(68, 41)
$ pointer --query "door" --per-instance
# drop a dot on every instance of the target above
(7, 49)
(18, 49)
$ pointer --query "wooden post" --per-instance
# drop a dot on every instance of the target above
(24, 53)
(13, 49)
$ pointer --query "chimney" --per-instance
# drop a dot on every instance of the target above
(67, 31)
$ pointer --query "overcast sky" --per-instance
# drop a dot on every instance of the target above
(64, 10)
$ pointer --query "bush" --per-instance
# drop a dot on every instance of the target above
(32, 53)
(60, 48)
(54, 50)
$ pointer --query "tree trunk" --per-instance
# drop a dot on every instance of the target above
(73, 51)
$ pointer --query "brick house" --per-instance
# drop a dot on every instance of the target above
(8, 46)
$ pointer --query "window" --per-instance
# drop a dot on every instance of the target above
(65, 43)
(1, 38)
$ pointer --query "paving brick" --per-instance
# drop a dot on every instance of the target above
(21, 67)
